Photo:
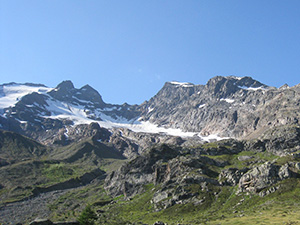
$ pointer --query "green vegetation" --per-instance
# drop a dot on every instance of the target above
(87, 217)
(206, 202)
(31, 165)
(227, 207)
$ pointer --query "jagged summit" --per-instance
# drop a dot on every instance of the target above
(66, 92)
(246, 81)
(65, 85)
(226, 86)
(219, 82)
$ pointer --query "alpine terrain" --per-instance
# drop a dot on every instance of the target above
(227, 152)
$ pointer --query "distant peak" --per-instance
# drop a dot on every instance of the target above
(285, 86)
(26, 84)
(67, 84)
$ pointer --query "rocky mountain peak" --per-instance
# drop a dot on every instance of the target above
(225, 86)
(65, 85)
(66, 92)
(63, 91)
(90, 94)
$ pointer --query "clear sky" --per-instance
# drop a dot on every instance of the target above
(128, 49)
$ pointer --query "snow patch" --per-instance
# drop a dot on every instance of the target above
(235, 77)
(110, 109)
(252, 88)
(12, 93)
(227, 100)
(83, 101)
(181, 84)
(212, 137)
(201, 106)
(150, 109)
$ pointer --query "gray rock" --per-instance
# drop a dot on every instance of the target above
(231, 176)
(159, 196)
(264, 176)
(259, 178)
(244, 157)
(41, 222)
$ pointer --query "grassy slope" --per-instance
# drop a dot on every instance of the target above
(34, 165)
(227, 207)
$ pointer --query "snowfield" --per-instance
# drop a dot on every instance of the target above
(12, 93)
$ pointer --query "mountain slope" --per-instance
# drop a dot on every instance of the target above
(16, 148)
(225, 106)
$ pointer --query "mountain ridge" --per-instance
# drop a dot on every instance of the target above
(229, 106)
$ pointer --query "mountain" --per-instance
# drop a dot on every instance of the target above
(224, 152)
(226, 107)
(39, 112)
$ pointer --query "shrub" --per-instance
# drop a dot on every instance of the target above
(87, 216)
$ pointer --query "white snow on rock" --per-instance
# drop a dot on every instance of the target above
(252, 88)
(181, 84)
(227, 100)
(12, 93)
(79, 115)
(150, 109)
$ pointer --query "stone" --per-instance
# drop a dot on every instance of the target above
(231, 176)
(39, 221)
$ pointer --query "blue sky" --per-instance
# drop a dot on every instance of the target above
(128, 49)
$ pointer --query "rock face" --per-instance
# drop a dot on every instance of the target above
(264, 176)
(130, 178)
(228, 106)
(231, 176)
(173, 170)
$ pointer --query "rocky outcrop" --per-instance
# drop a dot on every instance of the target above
(231, 176)
(131, 177)
(266, 175)
(173, 170)
(282, 140)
